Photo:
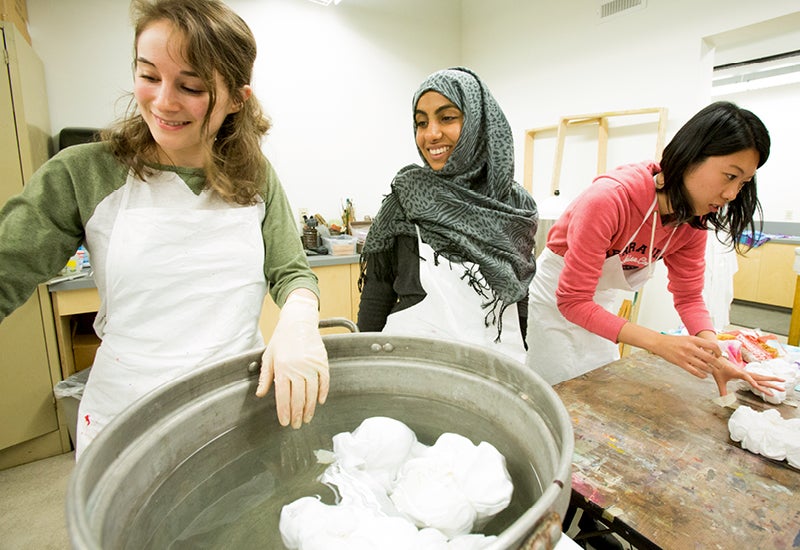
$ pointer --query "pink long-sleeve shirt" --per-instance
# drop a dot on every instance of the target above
(598, 224)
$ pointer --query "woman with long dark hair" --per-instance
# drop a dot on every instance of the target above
(611, 235)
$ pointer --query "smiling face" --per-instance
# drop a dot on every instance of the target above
(173, 100)
(438, 124)
(717, 180)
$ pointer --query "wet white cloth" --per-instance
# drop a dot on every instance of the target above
(766, 433)
(453, 486)
(379, 447)
(398, 493)
(309, 524)
(774, 367)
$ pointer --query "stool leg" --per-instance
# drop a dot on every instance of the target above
(794, 323)
(569, 517)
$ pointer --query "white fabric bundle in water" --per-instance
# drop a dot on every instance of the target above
(453, 486)
(398, 493)
(309, 524)
(767, 433)
(378, 447)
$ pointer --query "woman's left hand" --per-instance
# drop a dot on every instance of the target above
(728, 371)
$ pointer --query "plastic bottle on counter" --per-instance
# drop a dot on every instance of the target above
(77, 262)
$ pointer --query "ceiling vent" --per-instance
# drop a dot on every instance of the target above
(614, 8)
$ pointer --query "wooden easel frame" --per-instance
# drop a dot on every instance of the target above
(629, 310)
(601, 119)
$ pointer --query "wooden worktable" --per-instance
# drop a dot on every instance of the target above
(653, 455)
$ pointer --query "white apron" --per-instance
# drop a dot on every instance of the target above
(452, 310)
(558, 349)
(184, 288)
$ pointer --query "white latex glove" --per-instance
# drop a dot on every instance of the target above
(297, 360)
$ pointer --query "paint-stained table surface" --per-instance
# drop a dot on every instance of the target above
(653, 454)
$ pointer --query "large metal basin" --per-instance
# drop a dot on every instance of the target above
(203, 463)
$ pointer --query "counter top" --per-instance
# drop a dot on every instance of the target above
(85, 280)
(71, 282)
(784, 239)
(782, 232)
(329, 259)
(782, 228)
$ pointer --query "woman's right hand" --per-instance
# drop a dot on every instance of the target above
(759, 382)
(697, 356)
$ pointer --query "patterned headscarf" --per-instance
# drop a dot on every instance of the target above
(471, 210)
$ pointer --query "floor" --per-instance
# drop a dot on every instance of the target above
(33, 497)
(770, 319)
(32, 504)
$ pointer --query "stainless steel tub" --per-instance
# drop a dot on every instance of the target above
(203, 463)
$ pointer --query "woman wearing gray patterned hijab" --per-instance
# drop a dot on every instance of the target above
(464, 206)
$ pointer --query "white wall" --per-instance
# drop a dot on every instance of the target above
(545, 59)
(777, 106)
(337, 82)
(86, 47)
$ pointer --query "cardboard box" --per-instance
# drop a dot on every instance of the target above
(84, 347)
(16, 11)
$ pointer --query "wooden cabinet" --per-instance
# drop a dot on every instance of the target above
(66, 305)
(339, 297)
(29, 366)
(766, 276)
(355, 294)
